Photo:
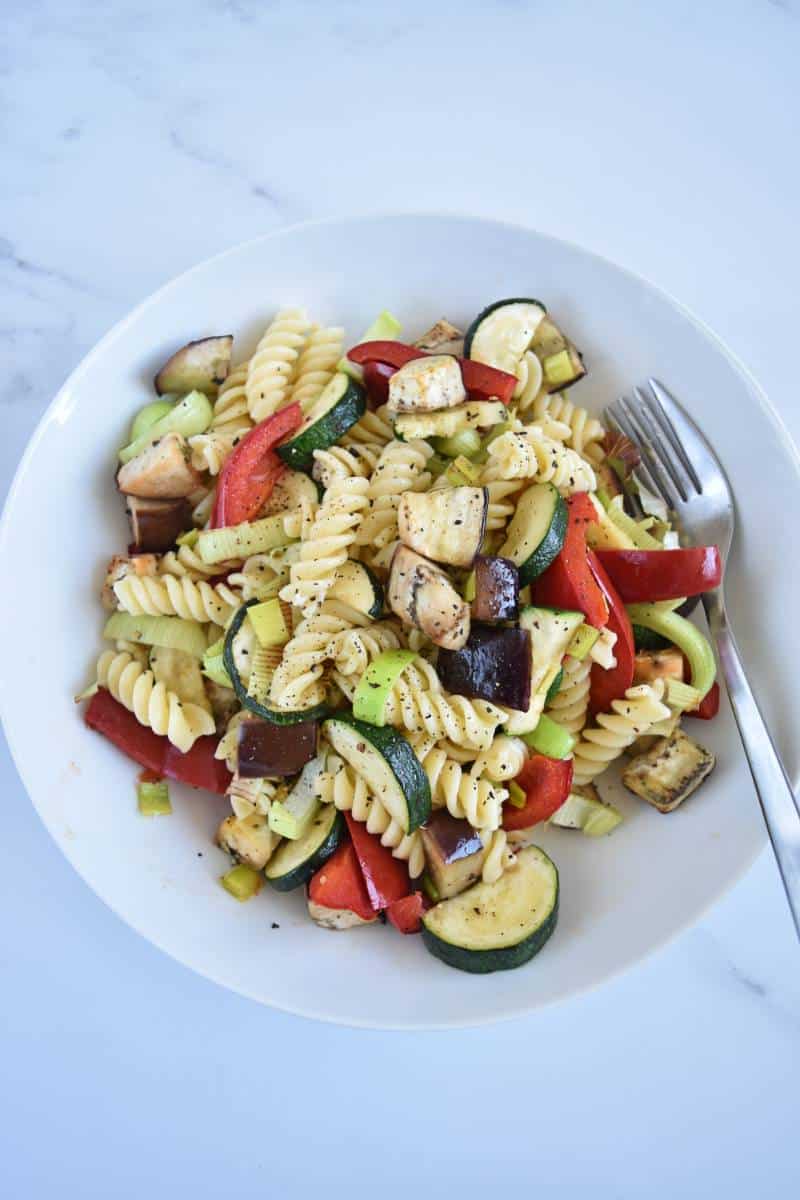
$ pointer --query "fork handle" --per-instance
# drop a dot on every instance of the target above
(773, 788)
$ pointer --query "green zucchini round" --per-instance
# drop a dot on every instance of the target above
(497, 926)
(356, 584)
(276, 715)
(294, 862)
(469, 336)
(341, 404)
(536, 533)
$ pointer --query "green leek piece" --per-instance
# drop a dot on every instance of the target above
(242, 882)
(558, 368)
(467, 443)
(153, 798)
(268, 623)
(470, 587)
(516, 796)
(288, 823)
(240, 541)
(385, 328)
(437, 465)
(584, 638)
(213, 667)
(685, 636)
(189, 538)
(550, 739)
(173, 633)
(469, 470)
(369, 699)
(635, 530)
(681, 697)
(593, 817)
(430, 889)
(191, 415)
(147, 416)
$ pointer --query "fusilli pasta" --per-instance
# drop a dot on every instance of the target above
(612, 732)
(167, 595)
(530, 454)
(464, 795)
(586, 432)
(316, 366)
(297, 682)
(338, 462)
(326, 546)
(569, 705)
(499, 856)
(273, 366)
(418, 703)
(150, 702)
(339, 784)
(400, 468)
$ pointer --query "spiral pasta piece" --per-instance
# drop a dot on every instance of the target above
(211, 449)
(274, 364)
(400, 468)
(612, 732)
(326, 547)
(230, 406)
(187, 563)
(602, 652)
(502, 496)
(586, 432)
(340, 785)
(167, 595)
(569, 706)
(418, 703)
(339, 462)
(463, 795)
(504, 759)
(152, 703)
(262, 576)
(227, 750)
(248, 796)
(354, 649)
(297, 682)
(375, 427)
(316, 366)
(530, 454)
(499, 856)
(530, 377)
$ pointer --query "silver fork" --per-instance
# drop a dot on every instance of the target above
(680, 466)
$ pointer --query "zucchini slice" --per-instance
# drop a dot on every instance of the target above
(537, 531)
(294, 862)
(355, 584)
(341, 404)
(277, 716)
(561, 361)
(500, 335)
(475, 414)
(497, 926)
(388, 765)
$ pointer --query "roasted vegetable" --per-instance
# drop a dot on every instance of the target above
(494, 665)
(156, 524)
(420, 594)
(198, 366)
(657, 664)
(249, 840)
(442, 338)
(119, 567)
(447, 524)
(668, 773)
(454, 853)
(426, 385)
(496, 589)
(267, 749)
(162, 471)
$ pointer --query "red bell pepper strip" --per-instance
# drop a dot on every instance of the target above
(611, 685)
(483, 382)
(198, 767)
(394, 354)
(340, 884)
(546, 783)
(376, 381)
(708, 706)
(569, 582)
(641, 576)
(406, 914)
(250, 472)
(386, 877)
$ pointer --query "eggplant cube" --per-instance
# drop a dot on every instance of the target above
(496, 589)
(427, 384)
(454, 853)
(198, 366)
(446, 524)
(275, 750)
(494, 665)
(420, 594)
(155, 524)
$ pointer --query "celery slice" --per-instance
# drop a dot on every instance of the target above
(681, 697)
(242, 882)
(369, 699)
(584, 638)
(594, 818)
(153, 798)
(268, 622)
(385, 328)
(685, 636)
(240, 541)
(147, 416)
(191, 415)
(550, 739)
(213, 666)
(466, 443)
(173, 633)
(516, 796)
(635, 530)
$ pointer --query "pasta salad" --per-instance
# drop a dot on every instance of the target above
(403, 605)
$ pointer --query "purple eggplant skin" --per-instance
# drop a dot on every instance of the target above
(454, 853)
(496, 589)
(198, 366)
(275, 750)
(155, 524)
(495, 665)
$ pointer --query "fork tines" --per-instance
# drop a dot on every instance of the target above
(665, 467)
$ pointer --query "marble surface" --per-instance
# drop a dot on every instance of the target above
(140, 138)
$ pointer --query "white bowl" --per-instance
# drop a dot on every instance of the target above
(622, 896)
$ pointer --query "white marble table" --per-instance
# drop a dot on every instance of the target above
(139, 138)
